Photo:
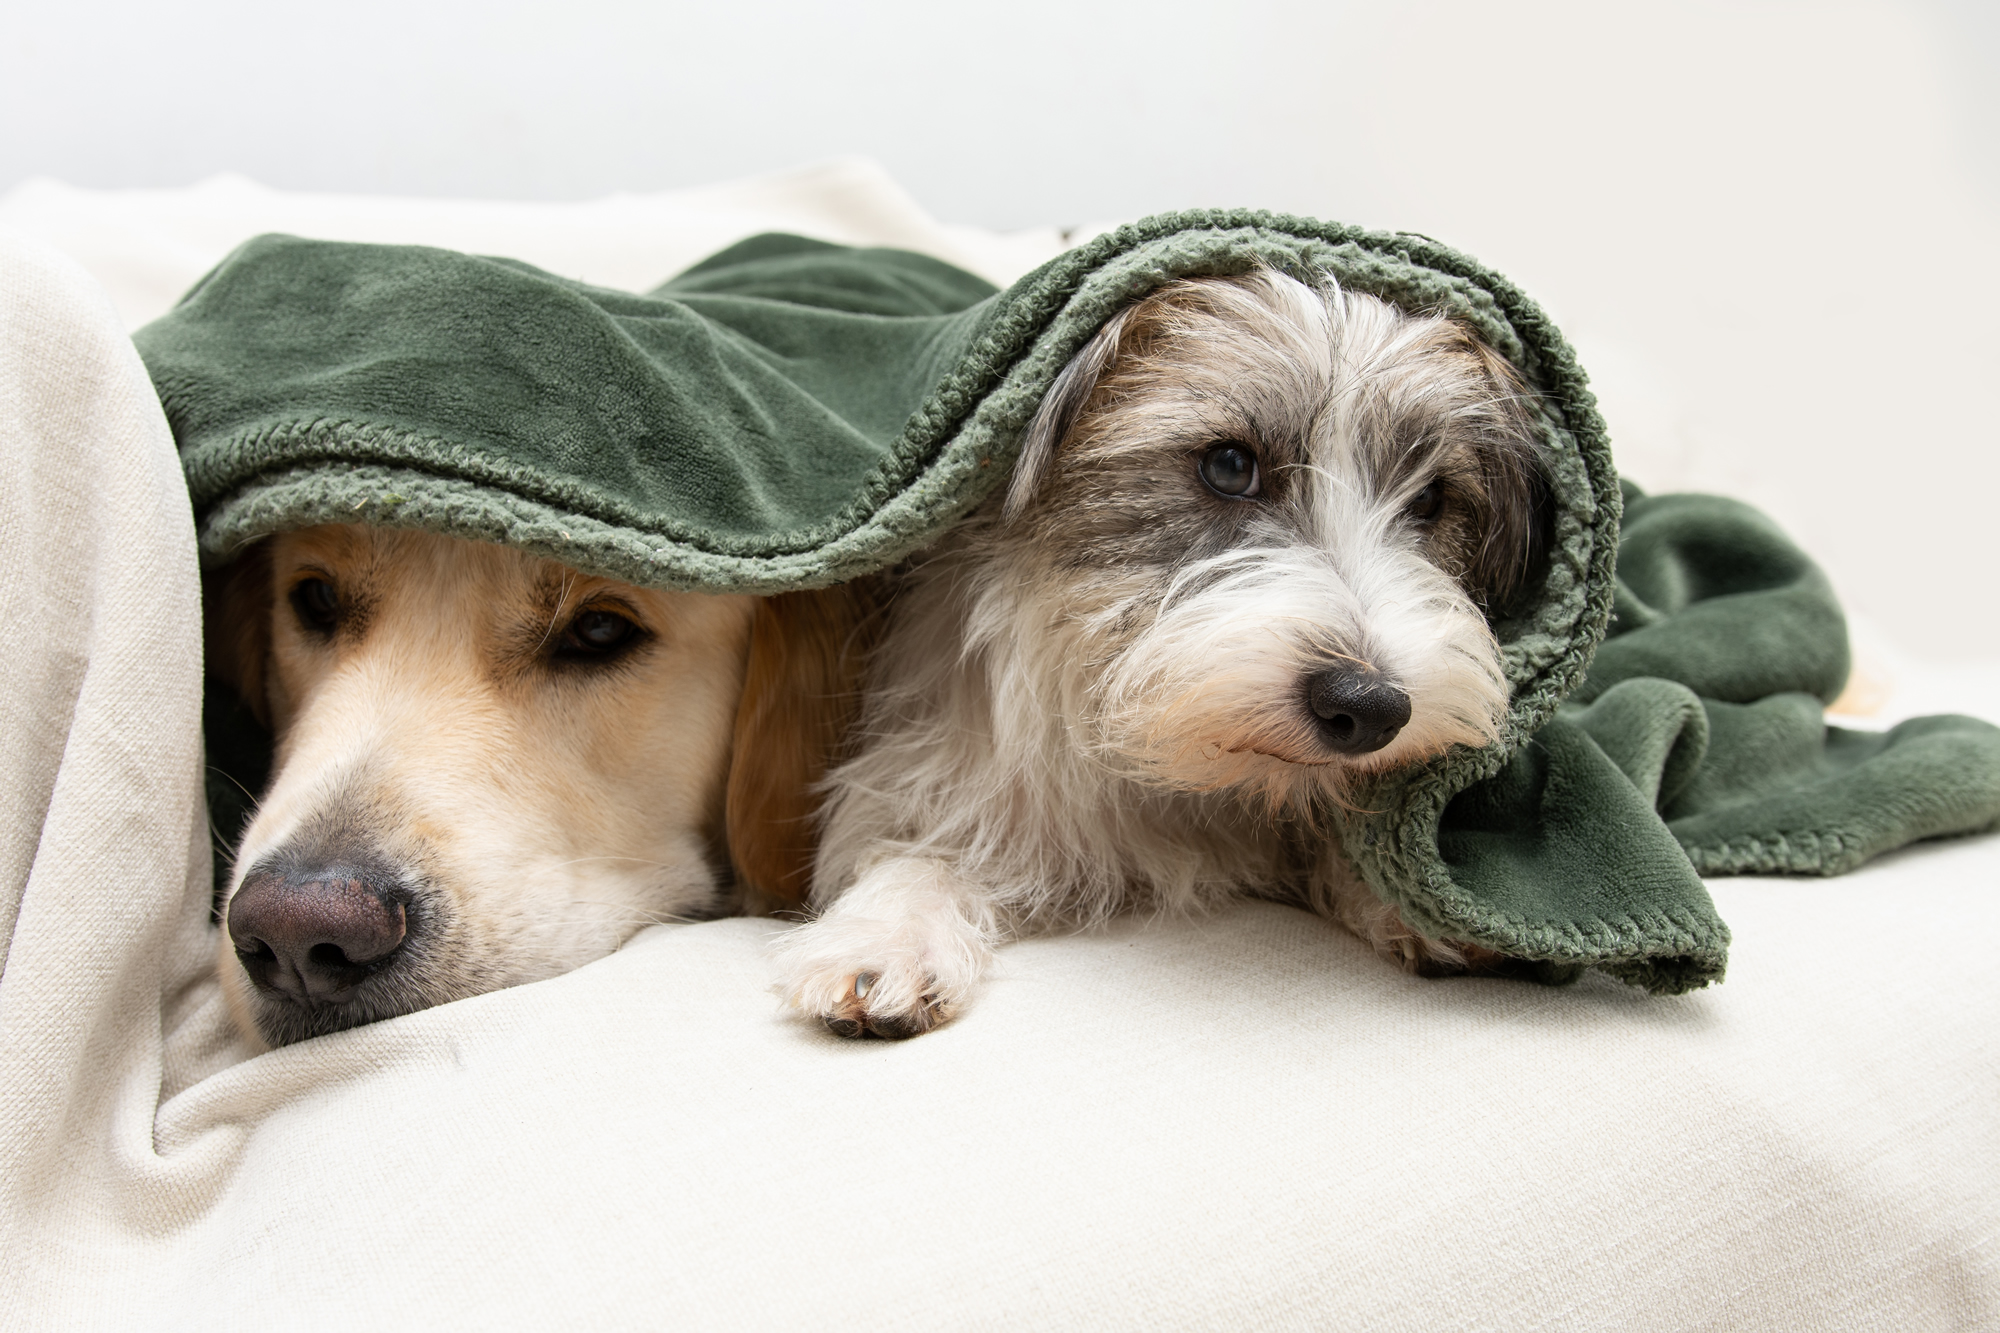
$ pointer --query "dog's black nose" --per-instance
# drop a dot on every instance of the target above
(314, 935)
(1359, 710)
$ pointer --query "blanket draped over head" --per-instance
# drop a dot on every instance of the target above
(789, 414)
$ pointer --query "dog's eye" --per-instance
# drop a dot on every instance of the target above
(597, 633)
(1428, 503)
(1230, 470)
(317, 604)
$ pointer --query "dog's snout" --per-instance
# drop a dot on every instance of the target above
(1359, 710)
(314, 935)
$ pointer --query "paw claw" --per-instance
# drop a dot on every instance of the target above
(901, 1027)
(851, 1017)
(852, 1020)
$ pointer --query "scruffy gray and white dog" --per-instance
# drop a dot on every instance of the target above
(1247, 555)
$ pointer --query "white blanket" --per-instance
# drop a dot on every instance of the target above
(149, 246)
(1246, 1121)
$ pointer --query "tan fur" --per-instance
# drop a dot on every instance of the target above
(236, 626)
(800, 694)
(544, 807)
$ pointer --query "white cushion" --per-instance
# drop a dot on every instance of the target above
(1242, 1121)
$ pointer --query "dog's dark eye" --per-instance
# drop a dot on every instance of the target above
(1428, 503)
(317, 604)
(1230, 470)
(597, 634)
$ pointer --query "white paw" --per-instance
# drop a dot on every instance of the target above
(884, 964)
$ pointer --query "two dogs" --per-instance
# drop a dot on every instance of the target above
(1248, 555)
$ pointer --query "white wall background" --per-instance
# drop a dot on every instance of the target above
(1772, 228)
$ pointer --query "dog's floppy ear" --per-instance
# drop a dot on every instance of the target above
(1517, 490)
(236, 627)
(801, 691)
(1060, 408)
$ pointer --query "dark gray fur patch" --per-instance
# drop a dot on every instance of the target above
(1120, 492)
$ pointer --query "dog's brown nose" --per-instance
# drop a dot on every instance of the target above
(1359, 711)
(313, 935)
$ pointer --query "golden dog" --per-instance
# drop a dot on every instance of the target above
(491, 768)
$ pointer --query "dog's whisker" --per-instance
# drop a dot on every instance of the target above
(556, 615)
(219, 845)
(625, 912)
(579, 860)
(232, 780)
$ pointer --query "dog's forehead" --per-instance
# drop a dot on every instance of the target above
(333, 544)
(1381, 408)
(397, 563)
(413, 569)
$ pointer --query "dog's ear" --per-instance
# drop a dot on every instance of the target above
(801, 692)
(1517, 490)
(1059, 409)
(236, 627)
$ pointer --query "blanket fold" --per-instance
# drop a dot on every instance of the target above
(1713, 597)
(788, 414)
(1698, 730)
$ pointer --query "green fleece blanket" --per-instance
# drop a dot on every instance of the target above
(790, 414)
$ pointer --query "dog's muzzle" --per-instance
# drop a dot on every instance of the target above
(1359, 711)
(311, 935)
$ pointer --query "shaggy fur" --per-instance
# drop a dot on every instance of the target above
(492, 768)
(1098, 694)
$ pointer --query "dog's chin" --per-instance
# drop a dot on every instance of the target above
(435, 967)
(277, 1019)
(1288, 772)
(280, 1022)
